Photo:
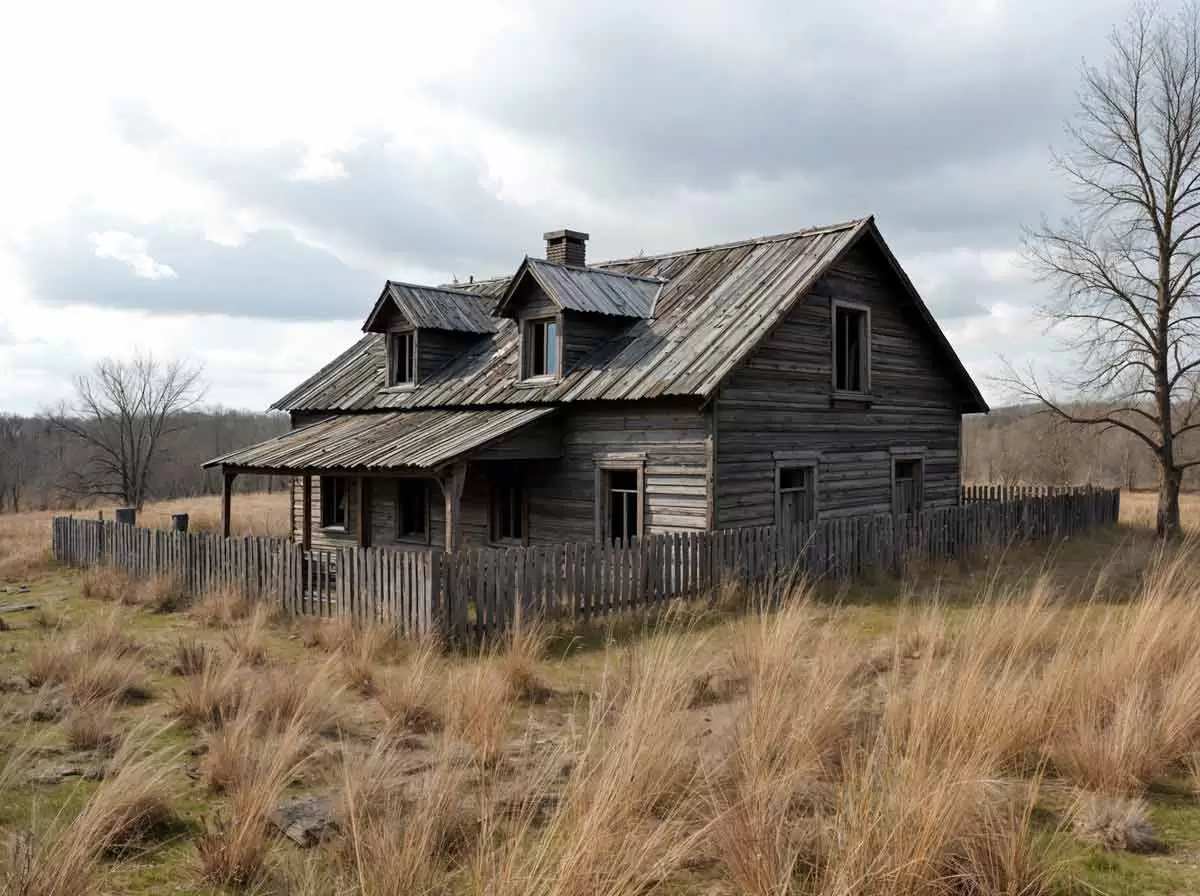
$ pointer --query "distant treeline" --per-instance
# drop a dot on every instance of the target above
(1022, 445)
(40, 463)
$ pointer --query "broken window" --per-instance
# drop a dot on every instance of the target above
(797, 495)
(402, 367)
(508, 510)
(907, 485)
(334, 492)
(412, 508)
(624, 498)
(540, 347)
(851, 353)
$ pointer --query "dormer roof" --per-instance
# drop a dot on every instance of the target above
(432, 308)
(587, 290)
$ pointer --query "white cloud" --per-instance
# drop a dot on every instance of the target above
(132, 251)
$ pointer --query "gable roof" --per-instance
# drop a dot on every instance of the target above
(434, 308)
(715, 306)
(591, 290)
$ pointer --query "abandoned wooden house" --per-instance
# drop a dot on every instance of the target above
(761, 382)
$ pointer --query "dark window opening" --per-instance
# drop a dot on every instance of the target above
(412, 508)
(541, 348)
(334, 493)
(797, 498)
(907, 486)
(402, 366)
(624, 502)
(850, 339)
(508, 511)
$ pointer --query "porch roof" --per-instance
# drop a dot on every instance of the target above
(381, 441)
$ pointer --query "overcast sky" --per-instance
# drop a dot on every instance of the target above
(233, 184)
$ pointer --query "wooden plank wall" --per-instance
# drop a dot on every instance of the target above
(780, 399)
(480, 592)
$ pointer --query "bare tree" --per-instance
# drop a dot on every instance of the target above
(122, 411)
(17, 459)
(1124, 263)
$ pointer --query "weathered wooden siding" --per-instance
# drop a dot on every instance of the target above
(562, 495)
(562, 491)
(780, 400)
(438, 348)
(584, 334)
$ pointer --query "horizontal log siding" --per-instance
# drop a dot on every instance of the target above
(780, 400)
(437, 348)
(562, 494)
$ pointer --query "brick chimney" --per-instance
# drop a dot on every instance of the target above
(566, 247)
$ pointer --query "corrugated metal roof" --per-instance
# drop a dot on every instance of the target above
(436, 308)
(592, 290)
(422, 439)
(715, 306)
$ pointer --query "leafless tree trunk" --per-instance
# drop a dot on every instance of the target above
(121, 411)
(1124, 264)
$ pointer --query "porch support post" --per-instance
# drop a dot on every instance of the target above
(452, 489)
(306, 522)
(364, 512)
(227, 501)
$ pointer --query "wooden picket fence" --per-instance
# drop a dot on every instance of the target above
(482, 591)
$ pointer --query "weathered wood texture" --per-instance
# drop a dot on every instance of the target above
(561, 486)
(482, 591)
(781, 399)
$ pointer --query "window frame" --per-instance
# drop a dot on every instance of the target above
(914, 456)
(411, 537)
(807, 462)
(508, 482)
(324, 524)
(541, 320)
(411, 336)
(835, 306)
(616, 463)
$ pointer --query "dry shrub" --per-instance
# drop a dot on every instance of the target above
(248, 640)
(91, 727)
(161, 593)
(626, 818)
(95, 664)
(107, 583)
(1114, 822)
(223, 608)
(518, 662)
(409, 844)
(312, 698)
(413, 695)
(130, 806)
(234, 845)
(1129, 685)
(479, 710)
(190, 657)
(216, 695)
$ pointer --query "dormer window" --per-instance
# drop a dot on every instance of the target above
(540, 348)
(402, 359)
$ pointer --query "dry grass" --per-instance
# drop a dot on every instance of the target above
(224, 608)
(234, 846)
(480, 709)
(248, 640)
(130, 806)
(217, 694)
(92, 727)
(412, 696)
(98, 663)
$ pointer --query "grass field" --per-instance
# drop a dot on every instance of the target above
(1029, 728)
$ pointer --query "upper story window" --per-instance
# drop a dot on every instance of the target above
(540, 348)
(851, 348)
(402, 359)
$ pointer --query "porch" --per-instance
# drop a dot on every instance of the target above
(425, 479)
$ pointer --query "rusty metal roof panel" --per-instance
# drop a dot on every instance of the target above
(709, 308)
(383, 441)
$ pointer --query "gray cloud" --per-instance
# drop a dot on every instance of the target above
(435, 212)
(269, 275)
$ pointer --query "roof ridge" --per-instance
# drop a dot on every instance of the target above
(678, 253)
(598, 269)
(464, 293)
